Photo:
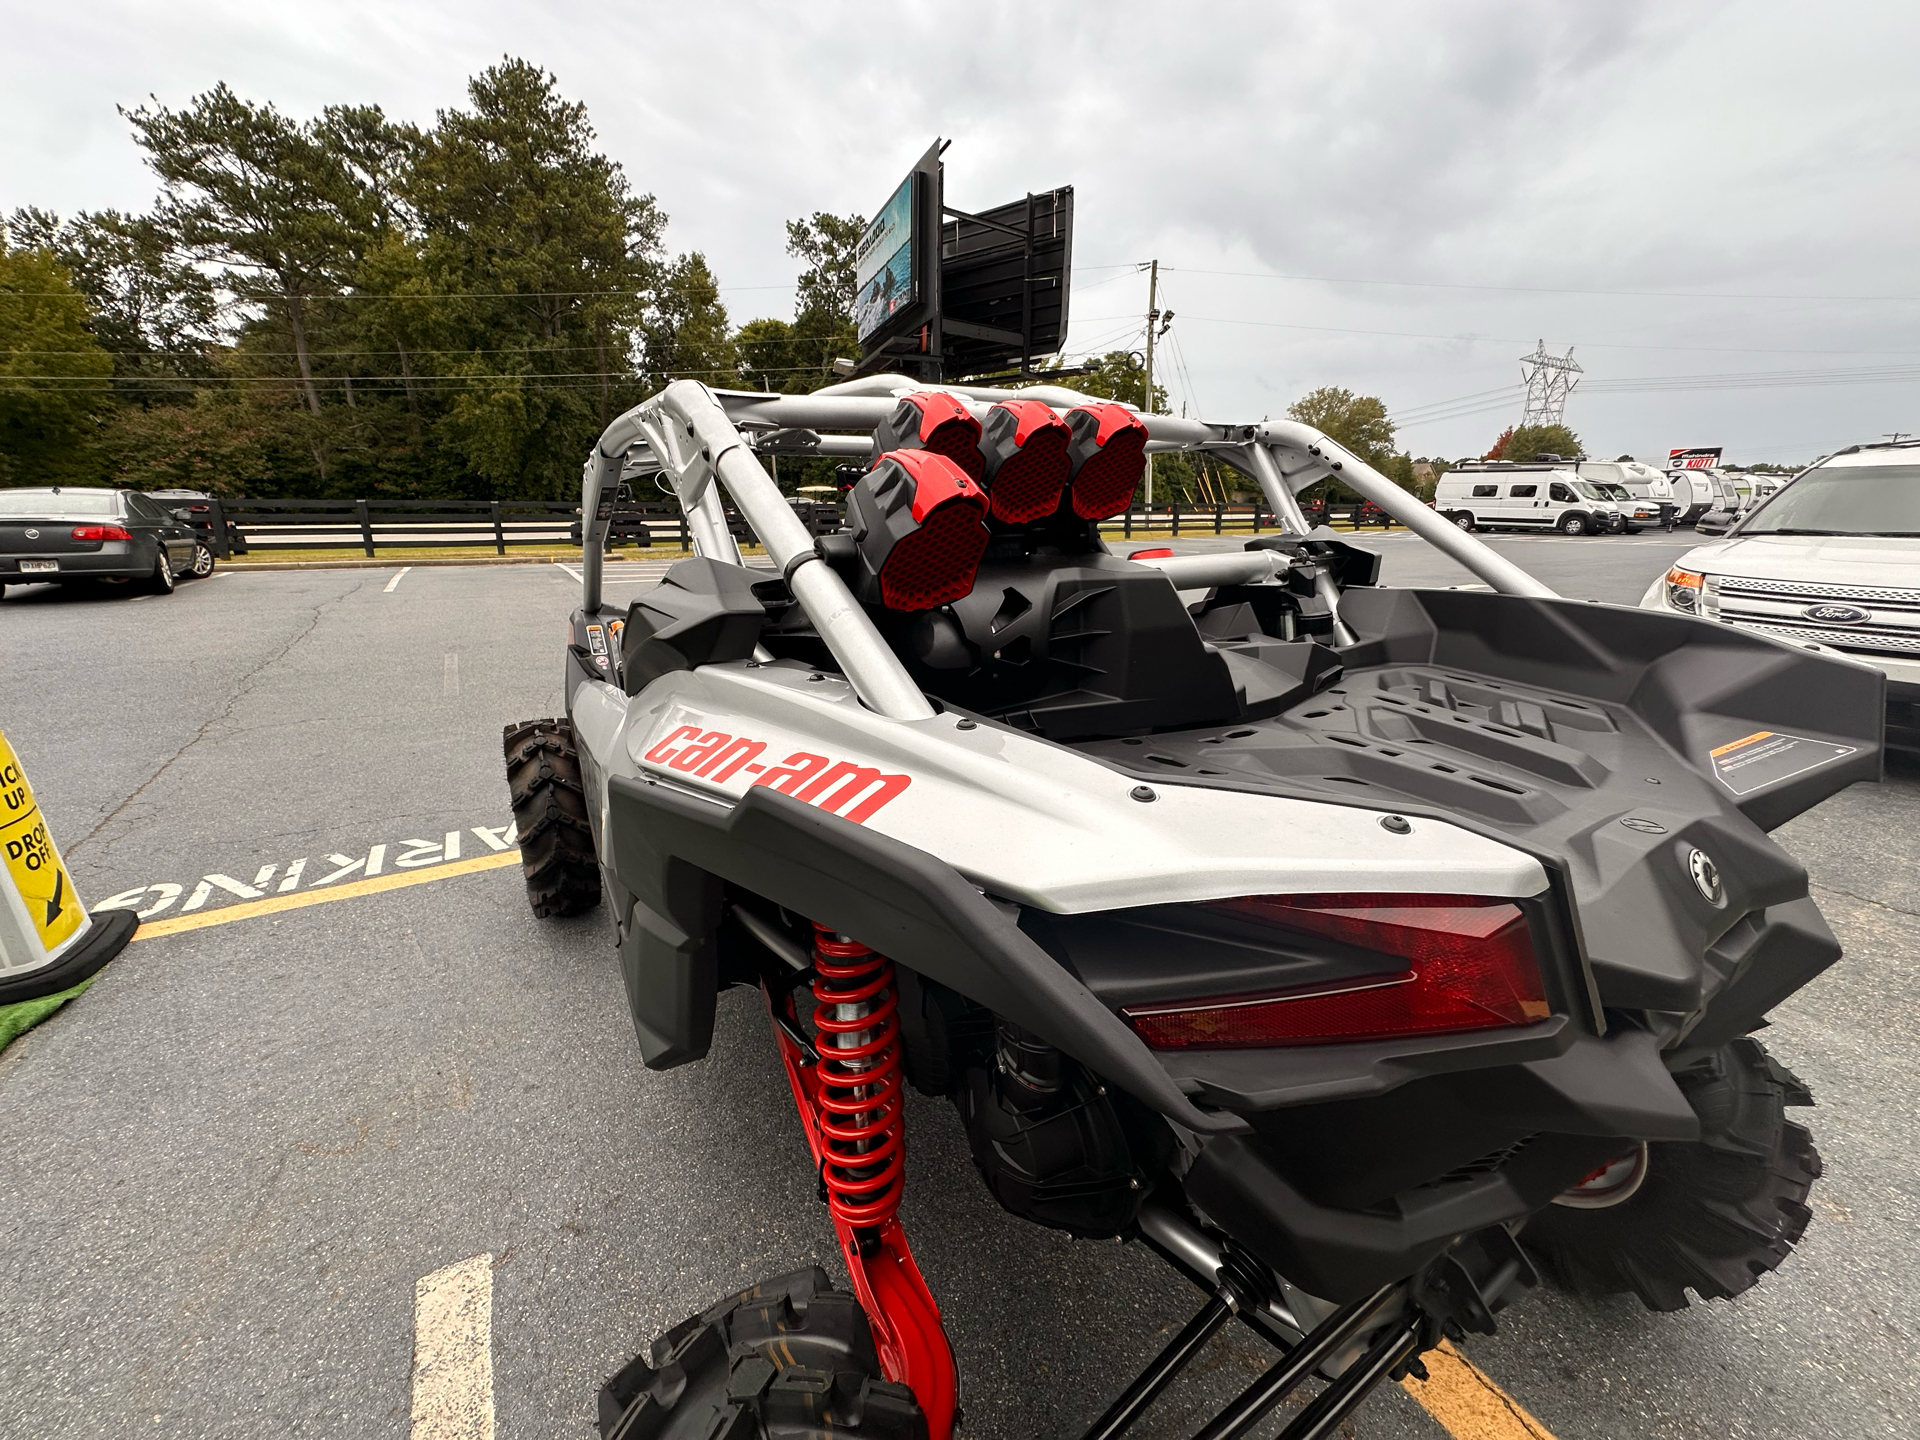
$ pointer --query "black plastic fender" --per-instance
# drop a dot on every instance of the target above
(671, 849)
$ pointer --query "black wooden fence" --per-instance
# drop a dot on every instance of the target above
(241, 525)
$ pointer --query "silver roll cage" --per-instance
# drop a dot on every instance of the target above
(704, 440)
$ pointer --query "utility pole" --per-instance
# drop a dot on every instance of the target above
(1153, 320)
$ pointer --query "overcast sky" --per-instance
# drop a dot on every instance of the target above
(1398, 198)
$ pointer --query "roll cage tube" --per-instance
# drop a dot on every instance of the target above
(692, 433)
(1314, 457)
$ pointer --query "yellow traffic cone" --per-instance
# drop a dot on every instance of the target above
(48, 941)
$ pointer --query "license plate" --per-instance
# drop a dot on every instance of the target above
(38, 567)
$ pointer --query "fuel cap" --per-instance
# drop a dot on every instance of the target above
(1706, 877)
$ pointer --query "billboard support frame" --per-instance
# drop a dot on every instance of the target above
(916, 339)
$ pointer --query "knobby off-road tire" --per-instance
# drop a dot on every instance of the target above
(1713, 1215)
(550, 818)
(790, 1359)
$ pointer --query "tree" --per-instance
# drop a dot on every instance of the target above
(1530, 442)
(155, 314)
(1358, 422)
(767, 356)
(273, 203)
(1118, 375)
(53, 374)
(685, 332)
(822, 329)
(827, 243)
(547, 258)
(1500, 446)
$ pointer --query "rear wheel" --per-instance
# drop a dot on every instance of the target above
(1713, 1215)
(790, 1359)
(202, 562)
(161, 581)
(550, 818)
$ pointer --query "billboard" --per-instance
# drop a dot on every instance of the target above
(1698, 458)
(884, 269)
(1004, 277)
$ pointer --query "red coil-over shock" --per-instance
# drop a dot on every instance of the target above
(847, 1086)
(863, 1163)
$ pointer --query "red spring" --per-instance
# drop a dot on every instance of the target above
(860, 1111)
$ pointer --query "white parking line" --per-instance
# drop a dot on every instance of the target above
(450, 674)
(394, 583)
(453, 1352)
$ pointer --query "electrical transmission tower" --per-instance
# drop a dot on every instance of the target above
(1550, 379)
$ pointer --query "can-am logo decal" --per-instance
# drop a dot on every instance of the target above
(1836, 614)
(835, 786)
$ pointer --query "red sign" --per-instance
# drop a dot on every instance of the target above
(1695, 459)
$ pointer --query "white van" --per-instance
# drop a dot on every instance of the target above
(1646, 485)
(1499, 495)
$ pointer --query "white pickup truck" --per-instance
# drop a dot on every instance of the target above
(1831, 560)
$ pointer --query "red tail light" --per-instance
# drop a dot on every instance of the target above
(917, 523)
(1448, 963)
(1026, 463)
(1109, 454)
(932, 420)
(1160, 552)
(100, 532)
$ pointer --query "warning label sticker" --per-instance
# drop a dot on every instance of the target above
(33, 865)
(1755, 761)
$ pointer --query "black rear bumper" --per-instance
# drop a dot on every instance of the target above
(1338, 1196)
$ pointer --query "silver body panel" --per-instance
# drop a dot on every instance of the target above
(1023, 818)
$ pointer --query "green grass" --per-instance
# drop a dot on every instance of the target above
(21, 1016)
(403, 553)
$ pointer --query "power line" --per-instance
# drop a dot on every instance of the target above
(1517, 340)
(1539, 289)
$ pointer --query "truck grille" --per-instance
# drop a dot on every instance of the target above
(1778, 608)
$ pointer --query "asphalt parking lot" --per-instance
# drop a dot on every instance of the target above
(231, 1160)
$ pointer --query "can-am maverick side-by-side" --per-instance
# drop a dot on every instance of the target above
(1365, 952)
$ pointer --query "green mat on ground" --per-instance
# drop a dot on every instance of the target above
(18, 1018)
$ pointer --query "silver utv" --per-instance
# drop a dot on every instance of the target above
(1096, 918)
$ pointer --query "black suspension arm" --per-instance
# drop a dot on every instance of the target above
(1291, 1369)
(1161, 1371)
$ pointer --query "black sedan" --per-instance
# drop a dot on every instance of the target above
(68, 535)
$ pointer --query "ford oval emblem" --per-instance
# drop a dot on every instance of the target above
(1836, 614)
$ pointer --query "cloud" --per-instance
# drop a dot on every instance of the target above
(1760, 148)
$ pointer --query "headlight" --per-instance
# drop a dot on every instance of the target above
(1683, 589)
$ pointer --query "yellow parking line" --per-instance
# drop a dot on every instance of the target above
(1461, 1397)
(273, 905)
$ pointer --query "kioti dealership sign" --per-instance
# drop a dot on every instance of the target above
(1698, 458)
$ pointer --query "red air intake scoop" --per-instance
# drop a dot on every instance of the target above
(917, 524)
(932, 420)
(1109, 455)
(1025, 450)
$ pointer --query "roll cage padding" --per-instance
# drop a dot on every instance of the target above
(906, 903)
